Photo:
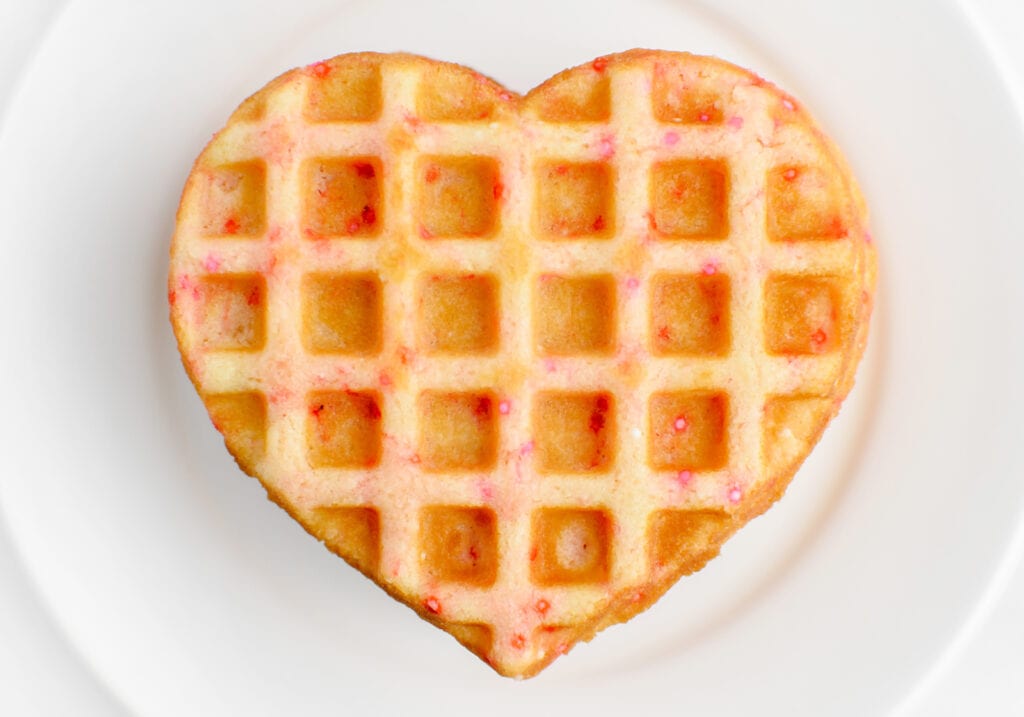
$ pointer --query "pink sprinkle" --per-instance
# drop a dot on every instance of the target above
(274, 235)
(607, 147)
(684, 477)
(703, 116)
(789, 175)
(788, 104)
(671, 138)
(432, 604)
(486, 490)
(385, 379)
(680, 424)
(735, 495)
(632, 284)
(504, 407)
(735, 122)
(320, 69)
(279, 396)
(710, 269)
(868, 238)
(211, 262)
(505, 96)
(527, 448)
(550, 366)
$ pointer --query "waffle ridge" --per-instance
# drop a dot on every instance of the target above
(444, 270)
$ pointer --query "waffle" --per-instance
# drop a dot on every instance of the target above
(523, 361)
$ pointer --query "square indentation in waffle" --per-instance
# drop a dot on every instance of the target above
(801, 314)
(679, 539)
(574, 199)
(458, 196)
(242, 419)
(792, 422)
(570, 546)
(235, 204)
(476, 637)
(575, 97)
(459, 544)
(574, 314)
(343, 429)
(232, 311)
(341, 197)
(690, 198)
(353, 532)
(803, 203)
(344, 89)
(690, 314)
(683, 96)
(454, 94)
(688, 430)
(458, 431)
(574, 432)
(458, 313)
(341, 313)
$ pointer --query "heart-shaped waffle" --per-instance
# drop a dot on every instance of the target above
(523, 361)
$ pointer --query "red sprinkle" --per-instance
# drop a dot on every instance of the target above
(602, 403)
(819, 337)
(432, 173)
(836, 228)
(533, 552)
(518, 641)
(561, 169)
(599, 223)
(433, 605)
(231, 226)
(254, 296)
(320, 69)
(789, 175)
(600, 64)
(369, 216)
(316, 410)
(365, 170)
(483, 407)
(596, 421)
(542, 606)
(499, 189)
(372, 411)
(664, 334)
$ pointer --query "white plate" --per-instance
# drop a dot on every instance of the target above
(188, 593)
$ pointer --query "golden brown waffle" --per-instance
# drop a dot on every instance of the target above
(523, 361)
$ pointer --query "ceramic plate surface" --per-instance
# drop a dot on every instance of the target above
(188, 593)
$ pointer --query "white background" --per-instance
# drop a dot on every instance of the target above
(41, 675)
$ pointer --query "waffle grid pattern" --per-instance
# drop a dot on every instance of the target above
(550, 537)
